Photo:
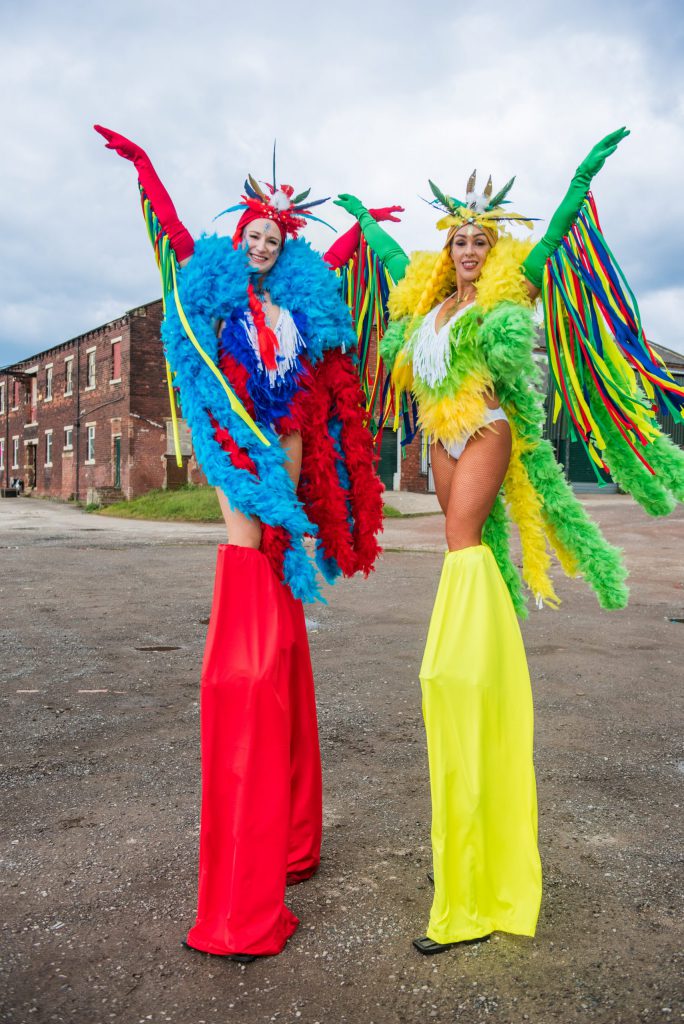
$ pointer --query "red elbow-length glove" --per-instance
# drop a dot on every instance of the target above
(180, 238)
(342, 250)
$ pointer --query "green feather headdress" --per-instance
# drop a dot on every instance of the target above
(478, 208)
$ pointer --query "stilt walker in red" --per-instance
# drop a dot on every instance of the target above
(257, 340)
(261, 773)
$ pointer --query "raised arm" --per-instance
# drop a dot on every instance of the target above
(387, 249)
(180, 238)
(342, 250)
(565, 215)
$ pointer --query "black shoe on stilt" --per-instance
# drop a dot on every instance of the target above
(238, 958)
(428, 947)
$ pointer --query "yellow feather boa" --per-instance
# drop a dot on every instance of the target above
(526, 509)
(453, 421)
(501, 279)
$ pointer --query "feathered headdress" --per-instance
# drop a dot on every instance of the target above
(478, 208)
(289, 212)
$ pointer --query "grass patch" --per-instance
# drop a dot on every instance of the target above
(186, 505)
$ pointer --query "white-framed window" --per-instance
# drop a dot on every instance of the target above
(48, 382)
(48, 447)
(16, 394)
(116, 361)
(68, 439)
(69, 375)
(2, 398)
(90, 444)
(2, 453)
(91, 379)
(15, 453)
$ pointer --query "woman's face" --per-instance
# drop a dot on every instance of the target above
(262, 240)
(469, 250)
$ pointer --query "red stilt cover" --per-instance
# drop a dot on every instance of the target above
(261, 781)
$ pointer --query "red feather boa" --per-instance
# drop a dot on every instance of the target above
(330, 389)
(334, 390)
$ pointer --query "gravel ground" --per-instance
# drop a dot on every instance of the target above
(102, 631)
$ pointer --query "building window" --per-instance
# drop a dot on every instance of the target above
(2, 398)
(90, 451)
(69, 375)
(2, 454)
(16, 396)
(15, 453)
(48, 383)
(34, 399)
(91, 379)
(48, 447)
(116, 362)
(68, 438)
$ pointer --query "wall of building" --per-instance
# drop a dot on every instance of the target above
(149, 403)
(103, 407)
(128, 410)
(122, 404)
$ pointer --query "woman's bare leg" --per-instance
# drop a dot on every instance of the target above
(443, 467)
(476, 480)
(245, 531)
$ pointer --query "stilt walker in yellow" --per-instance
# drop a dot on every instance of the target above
(461, 342)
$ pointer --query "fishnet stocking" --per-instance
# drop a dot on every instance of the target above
(467, 487)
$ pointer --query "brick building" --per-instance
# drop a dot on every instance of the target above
(87, 419)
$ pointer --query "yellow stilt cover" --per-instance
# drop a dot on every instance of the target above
(477, 706)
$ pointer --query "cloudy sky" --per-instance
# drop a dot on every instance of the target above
(364, 97)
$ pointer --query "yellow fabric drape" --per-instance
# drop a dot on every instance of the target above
(477, 706)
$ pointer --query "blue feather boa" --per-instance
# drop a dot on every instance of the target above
(213, 286)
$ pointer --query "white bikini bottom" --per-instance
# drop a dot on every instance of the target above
(456, 449)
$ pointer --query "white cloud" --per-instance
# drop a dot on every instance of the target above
(660, 309)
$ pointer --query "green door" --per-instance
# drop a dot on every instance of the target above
(388, 457)
(117, 461)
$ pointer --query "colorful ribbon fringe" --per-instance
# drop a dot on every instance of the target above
(597, 347)
(166, 262)
(365, 286)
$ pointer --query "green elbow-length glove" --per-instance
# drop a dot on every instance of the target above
(565, 215)
(390, 252)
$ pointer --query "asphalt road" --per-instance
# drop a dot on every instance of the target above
(102, 628)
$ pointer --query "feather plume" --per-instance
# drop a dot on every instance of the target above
(301, 197)
(231, 209)
(249, 190)
(439, 195)
(280, 200)
(308, 206)
(500, 196)
(470, 187)
(319, 220)
(257, 188)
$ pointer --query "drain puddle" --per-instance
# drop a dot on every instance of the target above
(158, 648)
